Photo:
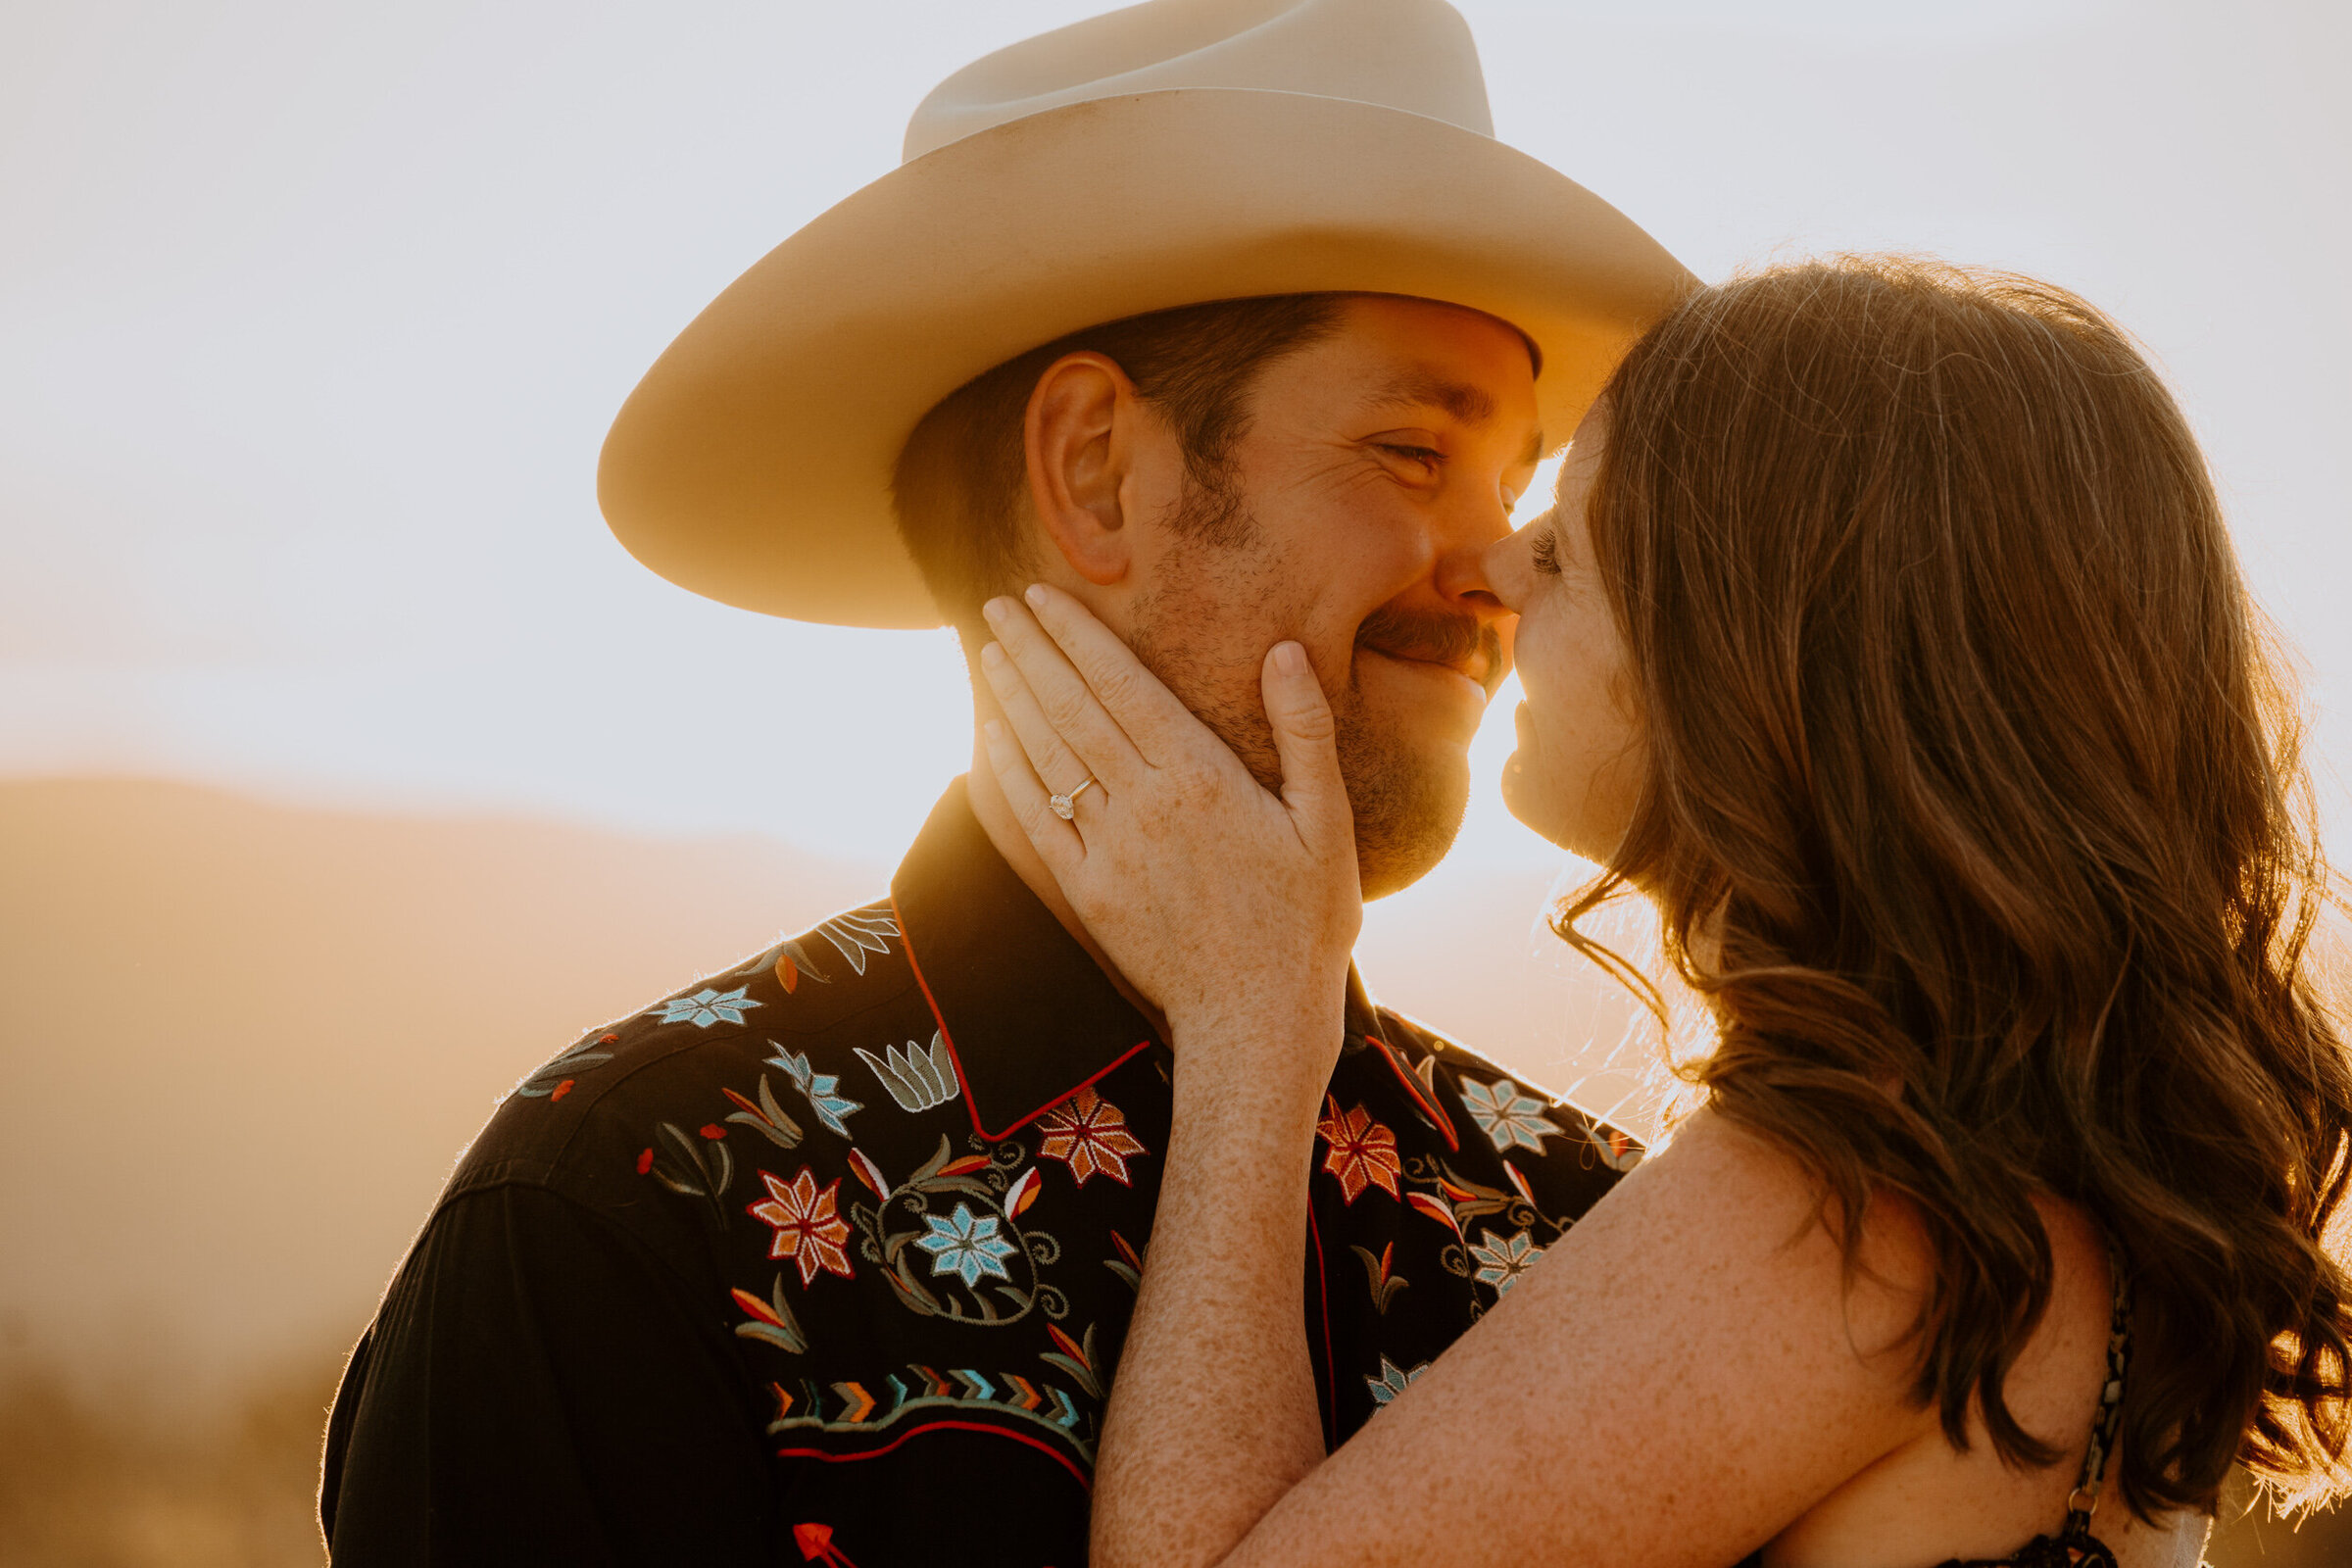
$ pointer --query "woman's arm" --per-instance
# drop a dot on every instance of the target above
(1677, 1380)
(1681, 1376)
(1220, 1326)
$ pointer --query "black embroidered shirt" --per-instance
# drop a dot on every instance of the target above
(828, 1258)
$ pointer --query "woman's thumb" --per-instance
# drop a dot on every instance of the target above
(1305, 737)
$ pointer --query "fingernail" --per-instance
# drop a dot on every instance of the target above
(1036, 595)
(992, 655)
(994, 731)
(994, 610)
(1291, 659)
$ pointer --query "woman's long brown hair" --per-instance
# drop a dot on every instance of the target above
(1972, 765)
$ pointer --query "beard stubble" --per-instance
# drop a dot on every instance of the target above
(1408, 798)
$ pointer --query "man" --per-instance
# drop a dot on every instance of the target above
(1228, 319)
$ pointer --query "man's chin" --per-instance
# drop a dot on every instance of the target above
(1406, 820)
(1440, 700)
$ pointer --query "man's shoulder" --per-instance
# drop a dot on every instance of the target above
(758, 1051)
(1510, 1111)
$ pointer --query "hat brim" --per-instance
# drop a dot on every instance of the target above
(753, 463)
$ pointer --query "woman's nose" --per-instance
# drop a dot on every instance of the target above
(1506, 568)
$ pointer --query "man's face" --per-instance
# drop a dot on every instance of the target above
(1376, 467)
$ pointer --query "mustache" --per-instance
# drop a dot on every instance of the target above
(1464, 642)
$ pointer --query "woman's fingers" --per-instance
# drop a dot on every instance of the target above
(1063, 700)
(1146, 713)
(1058, 842)
(1306, 742)
(1055, 766)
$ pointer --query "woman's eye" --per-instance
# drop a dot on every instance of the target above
(1545, 553)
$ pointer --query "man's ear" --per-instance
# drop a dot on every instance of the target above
(1079, 433)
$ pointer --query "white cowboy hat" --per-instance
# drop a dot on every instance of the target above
(1169, 154)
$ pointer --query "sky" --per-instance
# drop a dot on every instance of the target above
(316, 315)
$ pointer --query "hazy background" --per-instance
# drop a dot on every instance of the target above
(358, 768)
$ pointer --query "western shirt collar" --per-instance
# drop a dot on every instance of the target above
(1027, 1015)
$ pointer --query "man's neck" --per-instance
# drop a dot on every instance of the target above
(1004, 831)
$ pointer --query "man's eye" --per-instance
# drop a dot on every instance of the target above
(1412, 454)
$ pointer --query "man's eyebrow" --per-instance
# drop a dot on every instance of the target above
(1426, 389)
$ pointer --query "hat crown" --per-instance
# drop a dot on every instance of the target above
(1410, 55)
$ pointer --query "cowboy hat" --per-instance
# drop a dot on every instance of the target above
(1169, 153)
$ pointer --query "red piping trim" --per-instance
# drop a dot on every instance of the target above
(1045, 1448)
(1412, 1086)
(1088, 1082)
(1331, 1371)
(971, 1104)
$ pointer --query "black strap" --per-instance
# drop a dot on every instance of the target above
(2085, 1496)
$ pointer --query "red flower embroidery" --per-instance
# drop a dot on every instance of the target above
(809, 1229)
(1362, 1153)
(1088, 1134)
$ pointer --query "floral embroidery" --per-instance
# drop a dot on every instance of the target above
(1090, 1135)
(1458, 1200)
(1500, 1261)
(965, 1245)
(815, 1542)
(1617, 1150)
(792, 965)
(809, 1229)
(767, 1118)
(822, 1089)
(1074, 1356)
(1509, 1118)
(1128, 1265)
(859, 933)
(704, 1008)
(1362, 1153)
(1023, 1192)
(579, 1058)
(920, 1078)
(772, 1322)
(687, 1167)
(1385, 1284)
(1390, 1381)
(902, 1230)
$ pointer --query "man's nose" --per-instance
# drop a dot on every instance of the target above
(1465, 574)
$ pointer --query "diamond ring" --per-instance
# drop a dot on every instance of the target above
(1065, 807)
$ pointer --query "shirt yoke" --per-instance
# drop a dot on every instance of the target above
(776, 1023)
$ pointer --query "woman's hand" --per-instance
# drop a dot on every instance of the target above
(1233, 909)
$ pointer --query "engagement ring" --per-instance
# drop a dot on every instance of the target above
(1065, 807)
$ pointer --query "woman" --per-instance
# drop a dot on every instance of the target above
(1886, 634)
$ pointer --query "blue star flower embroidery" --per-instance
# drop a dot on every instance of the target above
(966, 1245)
(705, 1007)
(1501, 1260)
(820, 1089)
(1392, 1381)
(1506, 1115)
